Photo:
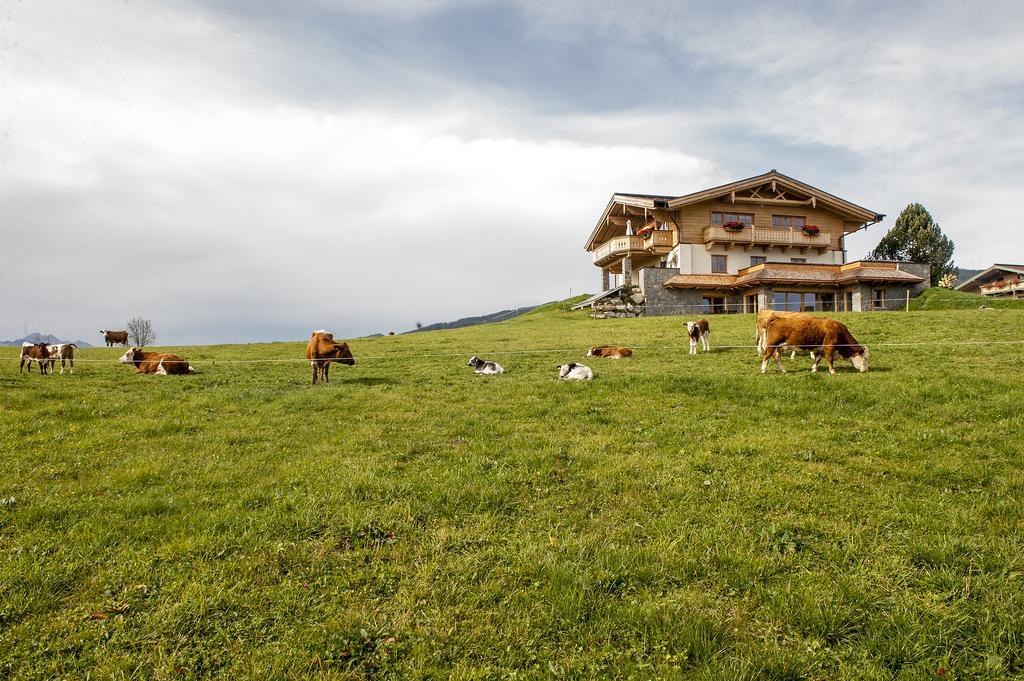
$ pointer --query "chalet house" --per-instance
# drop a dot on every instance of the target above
(768, 242)
(998, 281)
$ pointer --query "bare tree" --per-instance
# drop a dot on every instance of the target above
(141, 332)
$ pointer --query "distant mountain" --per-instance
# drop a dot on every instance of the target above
(48, 338)
(473, 321)
(964, 274)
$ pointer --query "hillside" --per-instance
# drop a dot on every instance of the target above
(503, 315)
(42, 338)
(679, 516)
(945, 299)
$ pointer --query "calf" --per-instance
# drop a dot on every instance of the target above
(699, 332)
(159, 363)
(575, 372)
(115, 337)
(65, 352)
(483, 366)
(321, 350)
(813, 334)
(609, 352)
(34, 352)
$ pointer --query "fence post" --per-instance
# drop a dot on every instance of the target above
(908, 300)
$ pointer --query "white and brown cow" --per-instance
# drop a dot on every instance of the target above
(322, 349)
(65, 352)
(115, 337)
(762, 318)
(34, 352)
(814, 334)
(159, 363)
(699, 332)
(609, 352)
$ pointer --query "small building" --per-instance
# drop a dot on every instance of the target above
(769, 241)
(998, 281)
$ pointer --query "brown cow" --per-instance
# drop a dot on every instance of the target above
(65, 352)
(815, 333)
(34, 352)
(160, 363)
(322, 349)
(114, 337)
(609, 352)
(762, 318)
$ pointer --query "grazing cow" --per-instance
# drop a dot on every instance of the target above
(699, 332)
(574, 372)
(483, 366)
(321, 350)
(609, 352)
(815, 333)
(34, 352)
(115, 337)
(762, 318)
(160, 363)
(65, 352)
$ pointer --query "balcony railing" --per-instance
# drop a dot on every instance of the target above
(660, 239)
(766, 236)
(618, 247)
(1002, 287)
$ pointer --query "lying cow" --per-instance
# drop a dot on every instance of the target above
(609, 352)
(814, 334)
(34, 352)
(483, 366)
(65, 352)
(574, 372)
(115, 337)
(699, 332)
(321, 350)
(159, 363)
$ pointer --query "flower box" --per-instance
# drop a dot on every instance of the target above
(734, 226)
(811, 230)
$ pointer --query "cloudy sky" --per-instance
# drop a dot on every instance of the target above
(251, 171)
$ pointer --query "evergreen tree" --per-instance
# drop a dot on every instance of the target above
(916, 237)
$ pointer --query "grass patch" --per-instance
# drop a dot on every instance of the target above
(679, 516)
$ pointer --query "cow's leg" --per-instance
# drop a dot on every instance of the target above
(21, 365)
(327, 372)
(817, 358)
(778, 361)
(706, 338)
(313, 365)
(829, 355)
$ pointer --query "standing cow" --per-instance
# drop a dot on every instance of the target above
(322, 349)
(115, 337)
(813, 334)
(762, 318)
(699, 333)
(65, 352)
(34, 352)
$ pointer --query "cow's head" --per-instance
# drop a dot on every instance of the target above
(689, 327)
(344, 355)
(592, 352)
(860, 359)
(564, 369)
(131, 356)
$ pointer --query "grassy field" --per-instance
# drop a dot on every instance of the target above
(680, 516)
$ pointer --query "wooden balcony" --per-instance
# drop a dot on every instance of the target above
(1006, 288)
(657, 242)
(785, 239)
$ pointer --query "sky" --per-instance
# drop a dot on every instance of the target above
(246, 172)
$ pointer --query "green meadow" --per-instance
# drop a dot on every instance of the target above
(678, 517)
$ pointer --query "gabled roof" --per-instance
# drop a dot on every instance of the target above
(845, 208)
(1015, 269)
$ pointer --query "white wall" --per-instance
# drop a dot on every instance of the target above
(695, 259)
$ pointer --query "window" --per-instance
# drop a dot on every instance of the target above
(878, 298)
(798, 260)
(797, 301)
(758, 260)
(718, 265)
(848, 300)
(750, 303)
(786, 221)
(713, 305)
(718, 218)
